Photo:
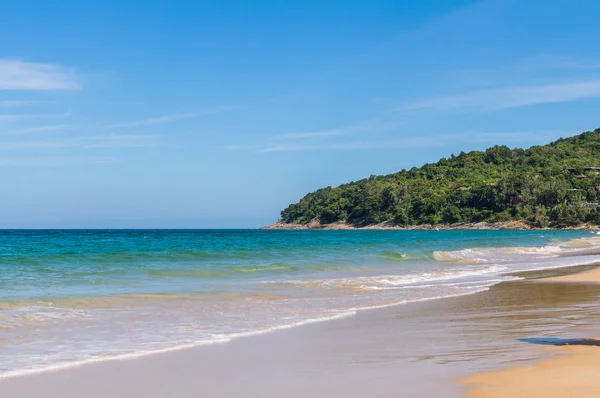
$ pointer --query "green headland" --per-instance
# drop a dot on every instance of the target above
(549, 186)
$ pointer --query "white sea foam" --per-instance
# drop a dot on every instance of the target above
(175, 347)
(518, 254)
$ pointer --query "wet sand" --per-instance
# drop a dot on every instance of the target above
(574, 373)
(414, 350)
(591, 276)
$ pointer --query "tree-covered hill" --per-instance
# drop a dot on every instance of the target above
(554, 185)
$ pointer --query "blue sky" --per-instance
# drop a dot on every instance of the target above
(207, 114)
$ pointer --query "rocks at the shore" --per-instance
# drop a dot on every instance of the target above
(508, 225)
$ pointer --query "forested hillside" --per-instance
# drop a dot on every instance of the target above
(554, 185)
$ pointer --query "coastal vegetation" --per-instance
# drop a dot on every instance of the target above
(553, 185)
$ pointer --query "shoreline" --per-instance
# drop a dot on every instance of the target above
(344, 226)
(571, 371)
(227, 339)
(568, 270)
(308, 351)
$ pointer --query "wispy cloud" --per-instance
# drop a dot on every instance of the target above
(405, 143)
(120, 141)
(372, 126)
(171, 118)
(414, 142)
(564, 62)
(546, 66)
(17, 103)
(36, 144)
(22, 75)
(106, 141)
(313, 134)
(28, 161)
(322, 140)
(30, 116)
(509, 138)
(40, 129)
(511, 97)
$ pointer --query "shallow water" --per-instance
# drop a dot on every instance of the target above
(69, 297)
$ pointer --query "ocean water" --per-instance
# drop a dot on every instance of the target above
(72, 297)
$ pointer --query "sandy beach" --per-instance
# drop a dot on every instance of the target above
(591, 276)
(574, 373)
(414, 350)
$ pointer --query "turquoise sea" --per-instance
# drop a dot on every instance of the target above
(74, 296)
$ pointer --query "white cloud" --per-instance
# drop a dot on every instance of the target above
(314, 134)
(372, 126)
(16, 103)
(36, 144)
(29, 116)
(171, 118)
(506, 138)
(406, 143)
(107, 141)
(320, 140)
(472, 137)
(39, 129)
(511, 97)
(119, 141)
(565, 62)
(22, 75)
(56, 161)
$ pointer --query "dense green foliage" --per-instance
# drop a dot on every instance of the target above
(543, 185)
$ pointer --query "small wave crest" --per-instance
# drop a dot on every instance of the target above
(437, 277)
(398, 256)
(500, 254)
(403, 256)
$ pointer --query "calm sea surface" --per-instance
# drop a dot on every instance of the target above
(70, 297)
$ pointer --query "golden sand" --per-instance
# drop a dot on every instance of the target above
(592, 276)
(573, 374)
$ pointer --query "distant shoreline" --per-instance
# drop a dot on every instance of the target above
(342, 226)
